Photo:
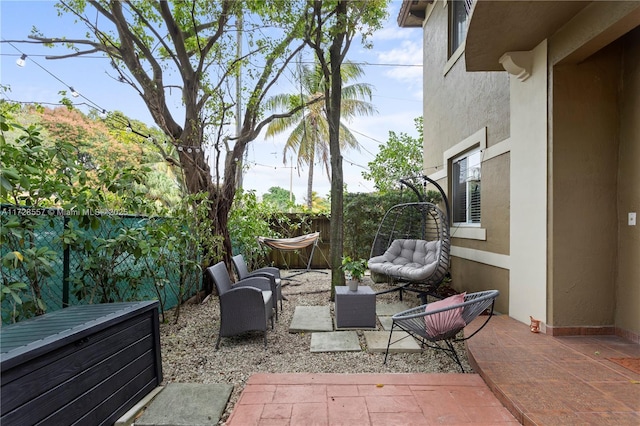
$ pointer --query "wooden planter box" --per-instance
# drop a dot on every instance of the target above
(87, 364)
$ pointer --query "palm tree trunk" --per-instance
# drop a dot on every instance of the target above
(310, 182)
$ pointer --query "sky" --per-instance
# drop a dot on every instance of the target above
(392, 67)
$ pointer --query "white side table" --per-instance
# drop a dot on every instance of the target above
(355, 309)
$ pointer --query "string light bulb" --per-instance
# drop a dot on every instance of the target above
(22, 61)
(73, 92)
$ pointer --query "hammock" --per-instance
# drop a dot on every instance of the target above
(295, 243)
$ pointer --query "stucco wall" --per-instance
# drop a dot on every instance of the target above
(476, 276)
(458, 104)
(585, 143)
(495, 207)
(628, 280)
(528, 237)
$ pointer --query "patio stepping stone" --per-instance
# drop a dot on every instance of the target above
(183, 404)
(335, 341)
(311, 318)
(386, 322)
(377, 342)
(390, 309)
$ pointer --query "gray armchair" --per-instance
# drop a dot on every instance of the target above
(244, 306)
(270, 272)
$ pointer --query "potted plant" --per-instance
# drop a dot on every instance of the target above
(353, 271)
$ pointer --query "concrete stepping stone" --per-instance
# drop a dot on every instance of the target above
(386, 322)
(335, 341)
(183, 404)
(390, 309)
(377, 342)
(311, 318)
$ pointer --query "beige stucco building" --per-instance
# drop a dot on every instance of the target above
(532, 122)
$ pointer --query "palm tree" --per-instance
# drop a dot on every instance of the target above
(309, 137)
(318, 204)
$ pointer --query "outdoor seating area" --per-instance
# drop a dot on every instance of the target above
(313, 370)
(304, 340)
(301, 213)
(309, 365)
(527, 378)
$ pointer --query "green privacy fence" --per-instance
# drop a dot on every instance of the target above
(106, 258)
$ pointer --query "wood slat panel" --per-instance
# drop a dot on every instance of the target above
(86, 364)
(58, 397)
(97, 403)
(41, 381)
(9, 375)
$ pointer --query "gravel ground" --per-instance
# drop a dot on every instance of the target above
(189, 355)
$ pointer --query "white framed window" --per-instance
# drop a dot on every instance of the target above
(458, 23)
(466, 176)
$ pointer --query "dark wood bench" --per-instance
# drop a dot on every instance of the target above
(88, 364)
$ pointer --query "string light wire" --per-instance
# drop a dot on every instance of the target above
(102, 112)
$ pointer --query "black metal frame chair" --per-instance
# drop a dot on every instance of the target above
(412, 321)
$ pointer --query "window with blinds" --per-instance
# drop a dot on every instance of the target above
(459, 11)
(465, 188)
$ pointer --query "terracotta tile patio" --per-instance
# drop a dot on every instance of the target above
(546, 380)
(522, 377)
(368, 399)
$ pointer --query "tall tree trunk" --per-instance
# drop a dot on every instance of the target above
(310, 180)
(198, 179)
(337, 179)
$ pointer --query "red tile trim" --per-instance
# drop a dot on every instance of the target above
(580, 331)
(628, 334)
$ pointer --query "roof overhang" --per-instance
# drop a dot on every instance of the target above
(497, 27)
(412, 13)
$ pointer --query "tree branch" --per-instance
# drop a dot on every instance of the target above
(269, 119)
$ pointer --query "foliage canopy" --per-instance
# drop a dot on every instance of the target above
(399, 157)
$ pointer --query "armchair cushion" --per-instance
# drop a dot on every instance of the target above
(413, 260)
(261, 283)
(446, 320)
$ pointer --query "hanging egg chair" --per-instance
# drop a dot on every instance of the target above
(412, 245)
